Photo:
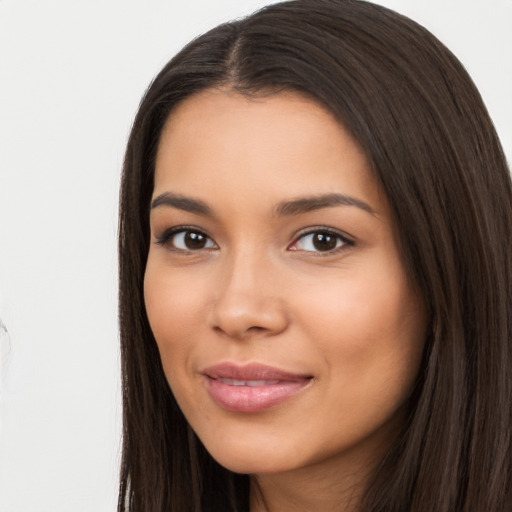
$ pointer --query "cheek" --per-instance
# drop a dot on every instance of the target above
(172, 306)
(370, 331)
(371, 343)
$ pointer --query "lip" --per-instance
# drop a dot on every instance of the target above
(253, 387)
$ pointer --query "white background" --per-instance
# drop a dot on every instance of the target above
(71, 76)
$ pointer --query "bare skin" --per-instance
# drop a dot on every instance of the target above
(272, 244)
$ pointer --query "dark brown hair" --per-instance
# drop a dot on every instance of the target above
(412, 107)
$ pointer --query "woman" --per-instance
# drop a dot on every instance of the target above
(315, 272)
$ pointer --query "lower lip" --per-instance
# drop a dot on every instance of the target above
(253, 398)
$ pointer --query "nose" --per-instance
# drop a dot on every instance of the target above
(248, 303)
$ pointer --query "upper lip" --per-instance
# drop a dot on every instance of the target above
(251, 371)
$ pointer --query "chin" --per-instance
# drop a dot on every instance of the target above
(251, 460)
(252, 467)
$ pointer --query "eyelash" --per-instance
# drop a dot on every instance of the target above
(320, 230)
(168, 235)
(167, 239)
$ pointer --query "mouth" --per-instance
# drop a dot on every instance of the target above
(252, 388)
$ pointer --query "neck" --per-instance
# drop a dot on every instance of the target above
(325, 487)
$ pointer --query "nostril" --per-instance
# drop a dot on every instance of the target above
(241, 333)
(240, 316)
(256, 329)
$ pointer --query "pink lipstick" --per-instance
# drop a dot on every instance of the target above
(252, 387)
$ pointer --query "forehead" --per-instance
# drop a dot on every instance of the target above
(275, 144)
(206, 112)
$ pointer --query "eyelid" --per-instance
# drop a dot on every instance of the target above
(346, 239)
(169, 233)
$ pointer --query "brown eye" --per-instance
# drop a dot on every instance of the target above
(186, 240)
(194, 240)
(324, 241)
(320, 241)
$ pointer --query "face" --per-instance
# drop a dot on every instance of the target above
(288, 330)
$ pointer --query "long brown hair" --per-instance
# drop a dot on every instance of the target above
(411, 105)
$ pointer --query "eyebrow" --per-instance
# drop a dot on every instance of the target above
(294, 207)
(309, 204)
(187, 204)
